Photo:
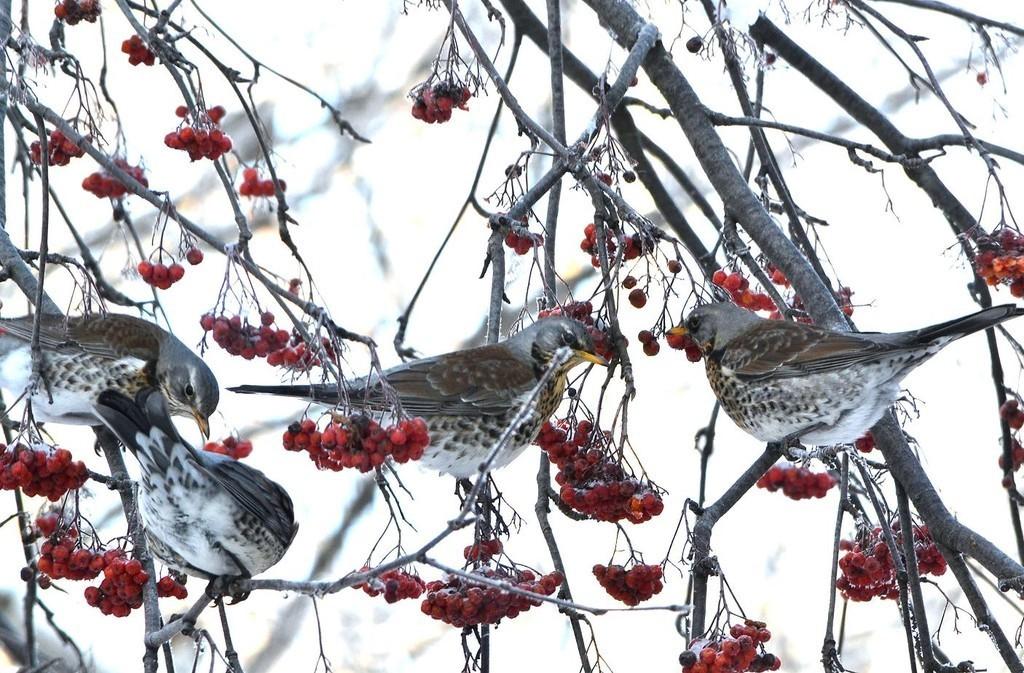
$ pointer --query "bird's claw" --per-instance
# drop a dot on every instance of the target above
(226, 587)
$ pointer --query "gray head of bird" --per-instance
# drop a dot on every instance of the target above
(188, 385)
(547, 335)
(714, 325)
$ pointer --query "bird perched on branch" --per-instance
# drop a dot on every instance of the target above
(467, 397)
(782, 381)
(83, 356)
(205, 514)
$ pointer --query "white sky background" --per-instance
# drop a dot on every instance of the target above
(401, 192)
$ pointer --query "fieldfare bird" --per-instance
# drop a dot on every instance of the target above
(467, 397)
(83, 356)
(205, 514)
(783, 381)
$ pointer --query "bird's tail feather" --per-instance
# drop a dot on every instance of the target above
(133, 421)
(324, 394)
(968, 324)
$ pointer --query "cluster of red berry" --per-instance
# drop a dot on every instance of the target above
(776, 275)
(395, 585)
(632, 586)
(137, 51)
(738, 287)
(44, 471)
(61, 556)
(230, 446)
(649, 342)
(583, 311)
(867, 567)
(845, 300)
(59, 150)
(483, 550)
(105, 186)
(593, 484)
(253, 186)
(120, 590)
(160, 275)
(685, 343)
(73, 11)
(734, 654)
(239, 337)
(434, 104)
(169, 587)
(1011, 412)
(462, 603)
(797, 483)
(202, 139)
(523, 241)
(358, 442)
(865, 444)
(633, 246)
(1000, 260)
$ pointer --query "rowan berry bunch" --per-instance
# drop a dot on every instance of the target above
(62, 555)
(634, 245)
(463, 603)
(649, 342)
(73, 11)
(159, 275)
(776, 275)
(43, 470)
(483, 550)
(583, 311)
(358, 442)
(170, 586)
(867, 567)
(105, 186)
(230, 446)
(685, 343)
(522, 240)
(138, 52)
(59, 150)
(1011, 412)
(239, 337)
(252, 185)
(435, 103)
(631, 586)
(735, 653)
(798, 483)
(1000, 260)
(394, 585)
(865, 444)
(738, 287)
(202, 138)
(120, 590)
(591, 482)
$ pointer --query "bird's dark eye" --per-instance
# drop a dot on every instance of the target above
(569, 339)
(692, 323)
(189, 390)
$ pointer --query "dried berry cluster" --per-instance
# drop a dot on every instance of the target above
(59, 150)
(281, 349)
(633, 245)
(632, 586)
(253, 186)
(395, 585)
(867, 567)
(137, 51)
(796, 482)
(593, 484)
(105, 186)
(203, 139)
(523, 241)
(358, 442)
(734, 654)
(1011, 412)
(462, 603)
(159, 275)
(1000, 260)
(73, 11)
(434, 104)
(230, 446)
(582, 311)
(45, 471)
(738, 287)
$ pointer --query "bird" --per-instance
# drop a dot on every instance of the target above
(467, 398)
(83, 356)
(205, 514)
(785, 381)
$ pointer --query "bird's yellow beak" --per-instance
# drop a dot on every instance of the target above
(591, 357)
(678, 330)
(203, 423)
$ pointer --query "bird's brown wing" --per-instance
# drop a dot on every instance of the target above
(111, 337)
(778, 349)
(478, 380)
